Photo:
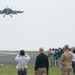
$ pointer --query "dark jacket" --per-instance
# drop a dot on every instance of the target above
(42, 62)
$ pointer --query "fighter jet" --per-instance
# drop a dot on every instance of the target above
(9, 11)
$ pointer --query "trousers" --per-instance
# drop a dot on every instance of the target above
(24, 72)
(67, 70)
(41, 71)
(73, 66)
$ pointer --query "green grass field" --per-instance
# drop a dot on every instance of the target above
(11, 70)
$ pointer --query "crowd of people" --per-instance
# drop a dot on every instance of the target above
(54, 56)
(62, 58)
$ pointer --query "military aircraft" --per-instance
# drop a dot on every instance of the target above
(9, 11)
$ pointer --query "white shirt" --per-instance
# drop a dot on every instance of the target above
(73, 59)
(22, 59)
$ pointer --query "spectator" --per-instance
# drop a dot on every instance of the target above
(41, 63)
(73, 61)
(51, 57)
(22, 58)
(65, 61)
(58, 54)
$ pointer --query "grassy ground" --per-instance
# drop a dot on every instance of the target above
(11, 70)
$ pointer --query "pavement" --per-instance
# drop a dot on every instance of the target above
(8, 58)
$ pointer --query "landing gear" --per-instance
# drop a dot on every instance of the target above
(3, 15)
(11, 15)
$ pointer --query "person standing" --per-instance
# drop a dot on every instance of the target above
(51, 57)
(41, 63)
(66, 61)
(58, 54)
(73, 61)
(22, 59)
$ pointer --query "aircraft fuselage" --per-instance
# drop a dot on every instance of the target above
(7, 11)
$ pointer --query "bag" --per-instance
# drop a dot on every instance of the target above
(21, 67)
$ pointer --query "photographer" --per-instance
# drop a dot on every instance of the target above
(22, 58)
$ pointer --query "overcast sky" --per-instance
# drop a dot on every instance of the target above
(44, 23)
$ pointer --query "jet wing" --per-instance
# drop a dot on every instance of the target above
(1, 11)
(15, 12)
